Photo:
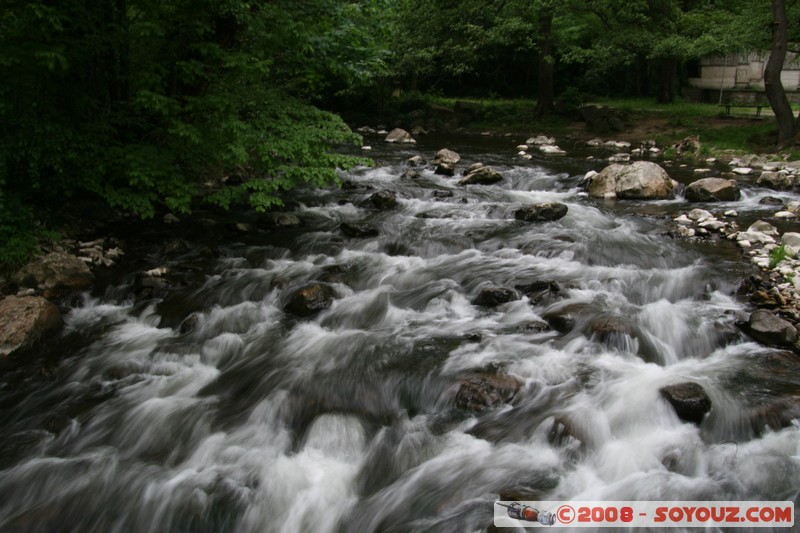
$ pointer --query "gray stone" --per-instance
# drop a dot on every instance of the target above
(768, 328)
(640, 180)
(481, 176)
(358, 230)
(310, 299)
(764, 227)
(494, 296)
(712, 190)
(416, 161)
(775, 180)
(543, 212)
(399, 135)
(690, 401)
(56, 274)
(791, 239)
(25, 322)
(486, 391)
(384, 200)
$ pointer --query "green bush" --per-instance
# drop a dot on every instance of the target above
(139, 107)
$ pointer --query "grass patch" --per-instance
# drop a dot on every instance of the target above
(776, 255)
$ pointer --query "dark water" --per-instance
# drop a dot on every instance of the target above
(250, 419)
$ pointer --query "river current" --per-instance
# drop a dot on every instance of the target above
(250, 419)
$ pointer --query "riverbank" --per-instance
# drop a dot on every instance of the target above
(773, 283)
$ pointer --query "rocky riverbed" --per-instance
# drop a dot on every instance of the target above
(450, 327)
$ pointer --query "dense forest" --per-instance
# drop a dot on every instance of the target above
(148, 105)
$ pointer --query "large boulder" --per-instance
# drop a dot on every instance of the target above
(541, 212)
(766, 327)
(55, 274)
(775, 180)
(25, 321)
(310, 299)
(446, 161)
(642, 180)
(399, 135)
(481, 176)
(712, 190)
(690, 401)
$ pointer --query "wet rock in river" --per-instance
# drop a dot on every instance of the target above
(690, 401)
(410, 174)
(771, 200)
(190, 323)
(775, 180)
(481, 176)
(540, 291)
(768, 328)
(562, 323)
(56, 274)
(416, 161)
(712, 190)
(25, 321)
(494, 296)
(543, 212)
(384, 199)
(399, 135)
(446, 161)
(310, 299)
(283, 220)
(642, 180)
(614, 331)
(358, 230)
(481, 392)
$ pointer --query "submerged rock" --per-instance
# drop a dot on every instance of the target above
(25, 321)
(486, 391)
(494, 296)
(690, 401)
(358, 230)
(384, 199)
(543, 212)
(540, 291)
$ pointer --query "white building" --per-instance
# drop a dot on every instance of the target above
(744, 72)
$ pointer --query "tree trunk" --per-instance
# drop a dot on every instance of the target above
(546, 96)
(772, 76)
(667, 71)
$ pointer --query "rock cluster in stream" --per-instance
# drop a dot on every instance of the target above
(776, 287)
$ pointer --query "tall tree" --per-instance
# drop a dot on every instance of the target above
(776, 94)
(140, 102)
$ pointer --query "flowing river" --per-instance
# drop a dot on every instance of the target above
(209, 408)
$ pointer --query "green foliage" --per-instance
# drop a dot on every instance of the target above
(142, 103)
(776, 255)
(570, 100)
